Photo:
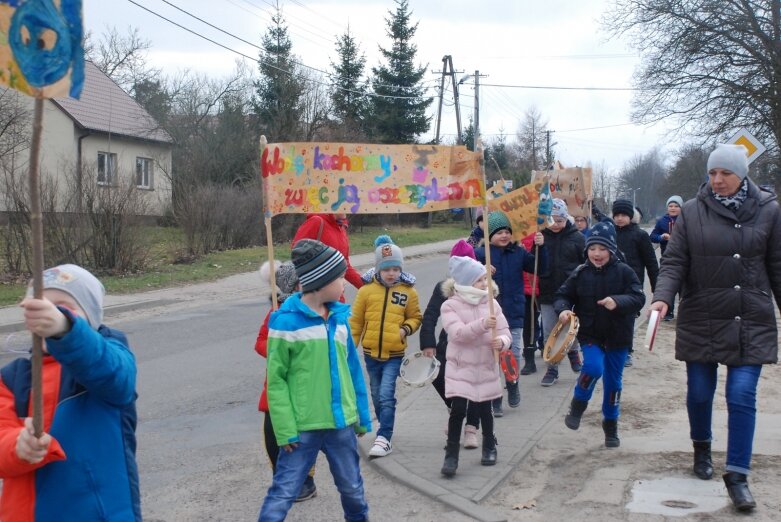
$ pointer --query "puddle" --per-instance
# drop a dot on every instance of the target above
(677, 497)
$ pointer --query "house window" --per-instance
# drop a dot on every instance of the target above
(107, 168)
(144, 173)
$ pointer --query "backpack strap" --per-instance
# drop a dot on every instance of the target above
(320, 231)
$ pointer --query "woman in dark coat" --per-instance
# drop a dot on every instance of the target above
(725, 258)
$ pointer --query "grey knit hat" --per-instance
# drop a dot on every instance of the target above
(465, 270)
(387, 254)
(678, 200)
(81, 285)
(729, 157)
(316, 264)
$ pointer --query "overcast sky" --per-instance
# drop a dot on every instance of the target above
(557, 43)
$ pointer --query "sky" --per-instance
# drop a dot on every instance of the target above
(551, 43)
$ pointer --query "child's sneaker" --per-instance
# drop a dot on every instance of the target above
(628, 363)
(308, 490)
(551, 376)
(381, 447)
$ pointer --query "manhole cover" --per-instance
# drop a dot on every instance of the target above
(680, 504)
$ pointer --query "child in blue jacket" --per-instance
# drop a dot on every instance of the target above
(509, 260)
(83, 466)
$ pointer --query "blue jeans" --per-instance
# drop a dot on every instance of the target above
(341, 450)
(382, 381)
(741, 395)
(609, 365)
(517, 344)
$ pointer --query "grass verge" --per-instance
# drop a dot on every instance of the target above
(164, 272)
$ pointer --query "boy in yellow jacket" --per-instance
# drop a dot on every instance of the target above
(386, 311)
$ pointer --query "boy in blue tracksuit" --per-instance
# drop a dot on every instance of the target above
(606, 295)
(509, 260)
(661, 234)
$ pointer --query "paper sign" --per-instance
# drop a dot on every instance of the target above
(752, 144)
(369, 179)
(41, 49)
(520, 207)
(573, 185)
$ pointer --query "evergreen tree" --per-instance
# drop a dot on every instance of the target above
(278, 92)
(349, 90)
(399, 110)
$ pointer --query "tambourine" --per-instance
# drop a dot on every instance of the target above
(418, 370)
(560, 339)
(650, 334)
(509, 366)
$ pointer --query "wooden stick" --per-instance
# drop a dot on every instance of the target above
(267, 222)
(487, 245)
(36, 226)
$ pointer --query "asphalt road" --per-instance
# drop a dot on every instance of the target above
(200, 450)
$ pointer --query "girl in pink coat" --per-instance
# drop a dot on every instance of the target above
(472, 373)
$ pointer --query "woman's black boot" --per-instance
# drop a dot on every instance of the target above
(451, 459)
(737, 487)
(529, 366)
(489, 450)
(703, 465)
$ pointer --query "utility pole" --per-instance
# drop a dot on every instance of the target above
(448, 71)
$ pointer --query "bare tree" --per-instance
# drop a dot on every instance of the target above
(602, 183)
(688, 171)
(642, 178)
(530, 147)
(316, 104)
(123, 57)
(714, 65)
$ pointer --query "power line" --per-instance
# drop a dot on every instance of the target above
(284, 71)
(560, 88)
(594, 128)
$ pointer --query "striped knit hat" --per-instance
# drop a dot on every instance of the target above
(316, 264)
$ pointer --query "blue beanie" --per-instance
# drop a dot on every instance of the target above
(603, 233)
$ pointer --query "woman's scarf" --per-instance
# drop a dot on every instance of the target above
(734, 201)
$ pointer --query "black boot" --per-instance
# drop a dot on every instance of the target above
(610, 427)
(737, 487)
(576, 409)
(529, 367)
(489, 450)
(513, 394)
(451, 459)
(703, 465)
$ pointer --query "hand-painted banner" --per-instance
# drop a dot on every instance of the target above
(41, 50)
(369, 179)
(520, 207)
(573, 185)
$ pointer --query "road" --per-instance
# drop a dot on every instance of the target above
(200, 450)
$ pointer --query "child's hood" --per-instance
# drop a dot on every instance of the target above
(372, 275)
(294, 304)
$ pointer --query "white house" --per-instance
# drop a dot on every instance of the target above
(108, 135)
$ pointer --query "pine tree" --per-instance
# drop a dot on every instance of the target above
(278, 92)
(349, 90)
(401, 116)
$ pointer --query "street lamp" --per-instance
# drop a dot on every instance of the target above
(634, 199)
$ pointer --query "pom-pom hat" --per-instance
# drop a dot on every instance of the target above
(387, 254)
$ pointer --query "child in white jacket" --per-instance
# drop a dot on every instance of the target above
(472, 373)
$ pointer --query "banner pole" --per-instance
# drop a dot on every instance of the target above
(267, 215)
